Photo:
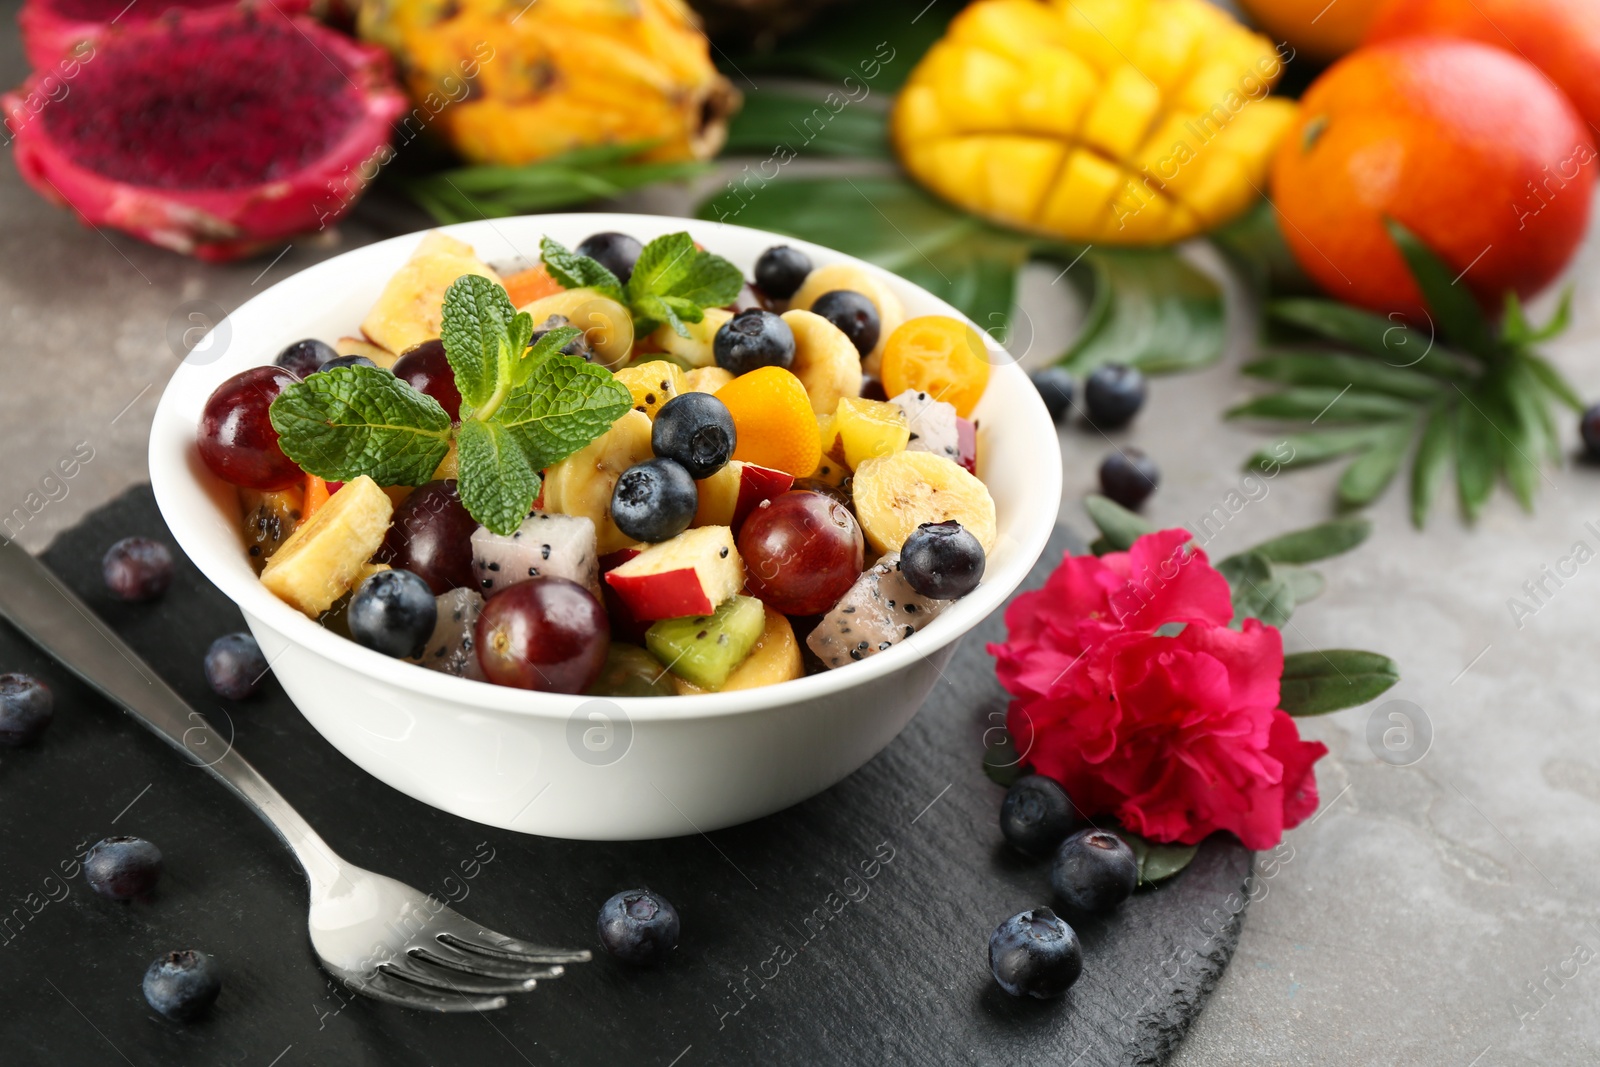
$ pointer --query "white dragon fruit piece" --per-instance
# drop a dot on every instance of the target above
(933, 424)
(544, 546)
(879, 611)
(451, 648)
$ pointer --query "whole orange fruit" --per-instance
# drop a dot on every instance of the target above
(1315, 28)
(1469, 147)
(1560, 37)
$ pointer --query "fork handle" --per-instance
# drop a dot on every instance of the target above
(49, 614)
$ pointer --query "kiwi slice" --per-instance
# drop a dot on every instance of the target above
(630, 671)
(704, 649)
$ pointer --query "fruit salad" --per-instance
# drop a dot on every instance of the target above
(624, 470)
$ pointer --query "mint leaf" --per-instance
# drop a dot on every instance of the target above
(477, 329)
(564, 404)
(552, 342)
(673, 281)
(340, 424)
(578, 272)
(497, 483)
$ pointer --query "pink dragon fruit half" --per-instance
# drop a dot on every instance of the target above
(216, 133)
(56, 31)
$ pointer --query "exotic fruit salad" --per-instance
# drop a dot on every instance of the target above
(625, 470)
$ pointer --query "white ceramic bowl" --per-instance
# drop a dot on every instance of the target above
(572, 766)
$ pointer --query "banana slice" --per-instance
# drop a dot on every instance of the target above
(411, 306)
(326, 554)
(604, 322)
(582, 483)
(891, 313)
(694, 350)
(825, 361)
(706, 379)
(897, 493)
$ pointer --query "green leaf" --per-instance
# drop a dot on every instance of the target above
(1553, 380)
(1303, 582)
(578, 272)
(782, 125)
(1337, 370)
(1119, 526)
(1307, 449)
(564, 404)
(1157, 861)
(1323, 403)
(1258, 592)
(674, 281)
(1431, 466)
(552, 342)
(1391, 340)
(476, 329)
(1147, 308)
(340, 424)
(1315, 683)
(1002, 764)
(1558, 322)
(1369, 475)
(1477, 457)
(497, 483)
(1460, 319)
(870, 51)
(1322, 541)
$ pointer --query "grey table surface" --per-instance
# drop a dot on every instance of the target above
(1443, 912)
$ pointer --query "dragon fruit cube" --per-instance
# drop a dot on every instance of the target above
(932, 422)
(451, 649)
(878, 612)
(546, 545)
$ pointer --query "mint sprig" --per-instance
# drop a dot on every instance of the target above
(673, 282)
(523, 408)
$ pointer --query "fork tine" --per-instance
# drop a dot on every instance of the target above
(501, 947)
(384, 987)
(484, 966)
(421, 973)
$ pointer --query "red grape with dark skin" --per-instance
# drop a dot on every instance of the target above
(802, 551)
(431, 536)
(236, 438)
(426, 370)
(548, 634)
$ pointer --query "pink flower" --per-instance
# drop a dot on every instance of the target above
(1175, 730)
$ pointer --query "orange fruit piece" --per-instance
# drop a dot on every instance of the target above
(940, 356)
(773, 421)
(1469, 147)
(316, 495)
(526, 286)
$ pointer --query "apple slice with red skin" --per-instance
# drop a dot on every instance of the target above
(729, 496)
(689, 575)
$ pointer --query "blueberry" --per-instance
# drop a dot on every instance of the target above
(305, 357)
(182, 985)
(123, 868)
(1113, 395)
(137, 568)
(696, 430)
(638, 926)
(578, 346)
(872, 388)
(1055, 389)
(1128, 476)
(781, 270)
(393, 612)
(654, 500)
(348, 361)
(235, 666)
(1035, 954)
(753, 339)
(26, 708)
(616, 252)
(941, 560)
(1037, 815)
(854, 314)
(1589, 427)
(1094, 870)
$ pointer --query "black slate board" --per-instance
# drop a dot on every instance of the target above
(881, 892)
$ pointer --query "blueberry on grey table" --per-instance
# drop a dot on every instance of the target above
(306, 357)
(1094, 871)
(137, 568)
(1037, 815)
(854, 314)
(183, 985)
(751, 340)
(1055, 389)
(1113, 395)
(781, 271)
(1128, 476)
(1589, 429)
(696, 430)
(616, 252)
(654, 500)
(123, 868)
(942, 560)
(638, 926)
(393, 612)
(26, 708)
(1035, 954)
(235, 666)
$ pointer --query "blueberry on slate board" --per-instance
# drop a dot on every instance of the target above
(638, 926)
(235, 666)
(137, 568)
(1035, 954)
(26, 708)
(1094, 871)
(123, 868)
(181, 985)
(1037, 815)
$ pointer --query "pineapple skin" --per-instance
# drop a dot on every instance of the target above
(1122, 122)
(511, 82)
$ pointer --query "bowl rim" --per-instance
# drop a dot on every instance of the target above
(176, 478)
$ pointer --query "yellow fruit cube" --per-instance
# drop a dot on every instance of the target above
(1101, 31)
(1078, 202)
(869, 429)
(1017, 175)
(1014, 28)
(652, 384)
(1060, 87)
(977, 93)
(1119, 119)
(917, 115)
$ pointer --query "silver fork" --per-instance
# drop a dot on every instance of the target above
(381, 937)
